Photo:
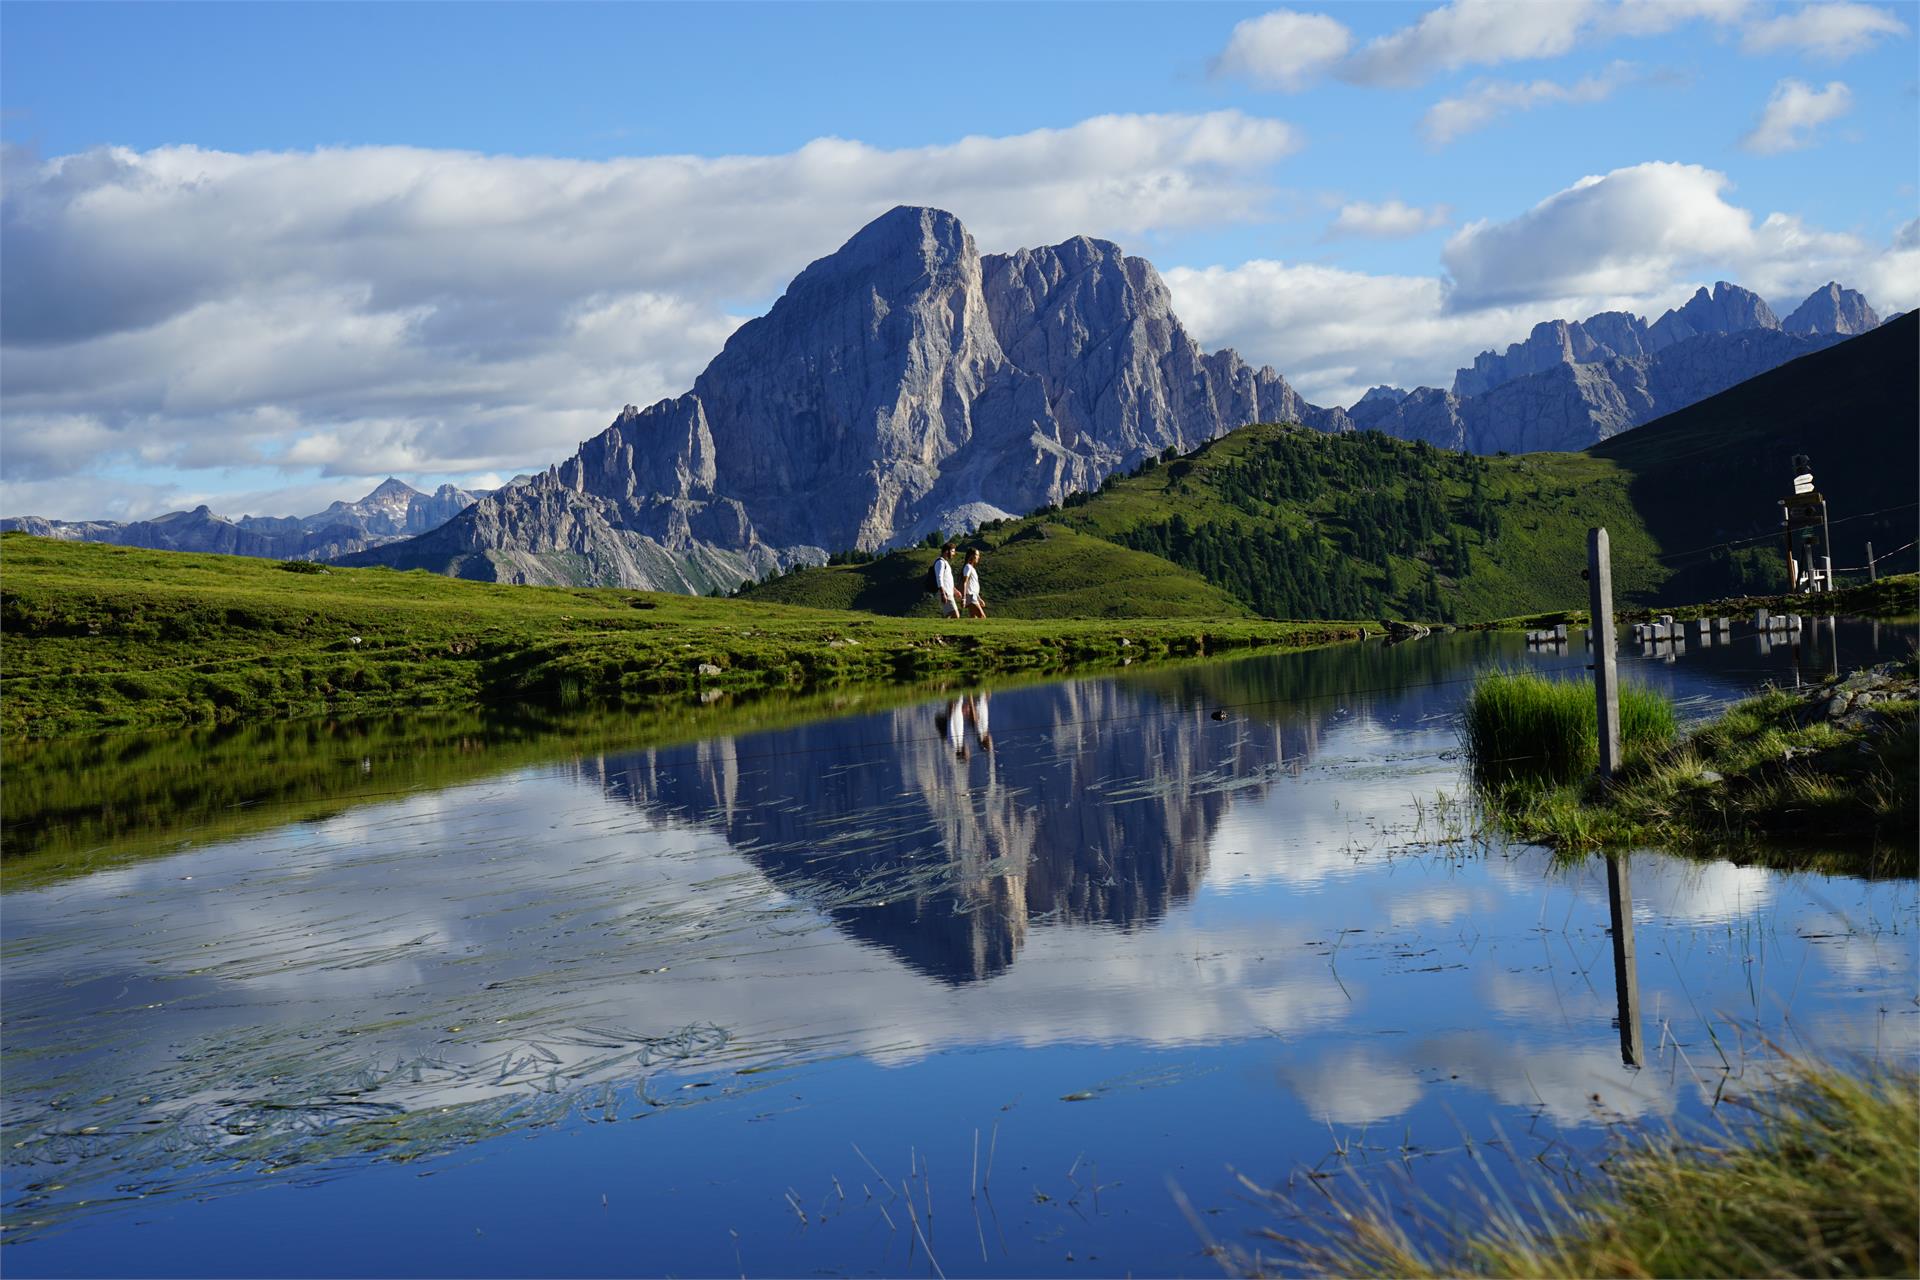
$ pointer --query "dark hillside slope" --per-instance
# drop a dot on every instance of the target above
(1712, 473)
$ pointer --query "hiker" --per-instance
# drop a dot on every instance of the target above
(970, 585)
(940, 581)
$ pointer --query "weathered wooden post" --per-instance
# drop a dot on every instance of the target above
(1606, 687)
(1626, 970)
(1872, 574)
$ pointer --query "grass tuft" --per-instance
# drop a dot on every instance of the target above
(1524, 727)
(1819, 779)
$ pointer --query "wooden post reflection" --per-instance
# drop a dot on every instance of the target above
(1626, 972)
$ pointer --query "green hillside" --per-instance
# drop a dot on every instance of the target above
(1041, 569)
(1296, 524)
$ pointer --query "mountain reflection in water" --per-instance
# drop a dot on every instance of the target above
(1098, 808)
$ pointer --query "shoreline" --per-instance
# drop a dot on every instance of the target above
(106, 639)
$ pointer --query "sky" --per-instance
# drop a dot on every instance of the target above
(262, 256)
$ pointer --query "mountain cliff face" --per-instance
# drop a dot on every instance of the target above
(903, 384)
(392, 511)
(1574, 383)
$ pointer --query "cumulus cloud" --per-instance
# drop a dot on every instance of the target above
(1485, 101)
(1631, 232)
(1793, 111)
(1286, 49)
(367, 309)
(1639, 239)
(1471, 33)
(1654, 17)
(1393, 220)
(1283, 49)
(1833, 29)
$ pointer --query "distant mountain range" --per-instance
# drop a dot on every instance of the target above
(907, 384)
(1575, 383)
(391, 512)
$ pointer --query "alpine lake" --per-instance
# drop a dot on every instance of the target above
(1056, 978)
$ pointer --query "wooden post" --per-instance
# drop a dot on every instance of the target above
(1606, 686)
(1872, 575)
(1626, 970)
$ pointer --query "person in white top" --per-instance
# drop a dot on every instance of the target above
(970, 585)
(943, 583)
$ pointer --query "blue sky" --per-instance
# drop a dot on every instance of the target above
(262, 255)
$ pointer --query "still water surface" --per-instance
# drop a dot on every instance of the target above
(989, 978)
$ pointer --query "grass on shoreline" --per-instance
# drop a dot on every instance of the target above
(1521, 726)
(1821, 1178)
(95, 637)
(1822, 778)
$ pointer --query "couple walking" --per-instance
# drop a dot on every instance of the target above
(968, 596)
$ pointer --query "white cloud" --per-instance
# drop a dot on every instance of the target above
(1834, 29)
(1639, 239)
(1392, 220)
(1485, 101)
(1336, 332)
(1793, 111)
(1472, 33)
(1283, 49)
(1633, 232)
(369, 309)
(1654, 17)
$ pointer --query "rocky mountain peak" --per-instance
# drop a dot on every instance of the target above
(1728, 309)
(392, 487)
(1832, 309)
(892, 255)
(902, 383)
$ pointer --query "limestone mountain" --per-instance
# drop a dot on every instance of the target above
(903, 384)
(1832, 310)
(394, 510)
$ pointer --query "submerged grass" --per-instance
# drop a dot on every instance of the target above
(1524, 726)
(1821, 1178)
(1822, 779)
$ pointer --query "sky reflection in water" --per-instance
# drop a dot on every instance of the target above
(722, 986)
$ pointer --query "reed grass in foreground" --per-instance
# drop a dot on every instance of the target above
(1821, 1178)
(1524, 726)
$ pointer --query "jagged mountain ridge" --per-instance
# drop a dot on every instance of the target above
(1574, 383)
(392, 511)
(902, 384)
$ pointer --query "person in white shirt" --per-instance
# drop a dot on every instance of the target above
(943, 582)
(970, 585)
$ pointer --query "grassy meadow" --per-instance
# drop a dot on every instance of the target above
(97, 637)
